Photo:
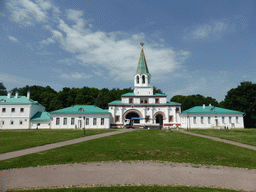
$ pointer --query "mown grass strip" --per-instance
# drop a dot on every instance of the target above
(142, 145)
(246, 136)
(12, 140)
(154, 188)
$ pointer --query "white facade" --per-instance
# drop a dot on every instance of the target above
(16, 111)
(79, 121)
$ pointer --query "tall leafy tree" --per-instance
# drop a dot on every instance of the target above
(243, 98)
(3, 90)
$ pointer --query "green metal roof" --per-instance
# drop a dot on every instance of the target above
(41, 116)
(132, 94)
(118, 102)
(81, 109)
(209, 109)
(20, 100)
(142, 67)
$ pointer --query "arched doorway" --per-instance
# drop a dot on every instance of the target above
(133, 113)
(159, 119)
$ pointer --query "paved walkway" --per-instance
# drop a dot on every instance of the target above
(128, 173)
(218, 139)
(37, 149)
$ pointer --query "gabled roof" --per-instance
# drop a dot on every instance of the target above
(41, 116)
(142, 67)
(20, 100)
(209, 109)
(81, 109)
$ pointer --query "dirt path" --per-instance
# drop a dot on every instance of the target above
(128, 173)
(37, 149)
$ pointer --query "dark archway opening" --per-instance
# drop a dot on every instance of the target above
(159, 119)
(133, 114)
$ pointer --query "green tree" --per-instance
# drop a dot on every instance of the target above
(155, 90)
(243, 99)
(3, 90)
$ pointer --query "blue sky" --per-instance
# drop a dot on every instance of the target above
(192, 47)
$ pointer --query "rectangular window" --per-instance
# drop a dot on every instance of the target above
(117, 118)
(130, 100)
(72, 121)
(209, 120)
(147, 119)
(145, 101)
(94, 121)
(194, 120)
(3, 110)
(57, 121)
(170, 118)
(202, 120)
(141, 101)
(223, 120)
(13, 110)
(65, 121)
(102, 121)
(87, 121)
(236, 119)
(177, 109)
(157, 100)
(229, 119)
(21, 110)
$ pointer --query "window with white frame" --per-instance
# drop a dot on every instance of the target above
(57, 121)
(102, 121)
(12, 122)
(72, 121)
(65, 121)
(209, 120)
(87, 121)
(3, 110)
(94, 121)
(223, 120)
(21, 110)
(21, 122)
(13, 110)
(202, 120)
(194, 120)
(236, 119)
(229, 119)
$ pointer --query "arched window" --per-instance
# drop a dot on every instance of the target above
(138, 79)
(143, 79)
(80, 109)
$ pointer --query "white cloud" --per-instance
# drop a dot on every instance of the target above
(25, 11)
(13, 39)
(44, 4)
(47, 41)
(72, 75)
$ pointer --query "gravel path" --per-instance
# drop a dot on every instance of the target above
(128, 173)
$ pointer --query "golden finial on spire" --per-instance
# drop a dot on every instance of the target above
(142, 44)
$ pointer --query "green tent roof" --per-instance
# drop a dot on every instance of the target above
(142, 67)
(81, 109)
(41, 116)
(209, 109)
(20, 100)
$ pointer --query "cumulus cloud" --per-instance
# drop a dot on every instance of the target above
(13, 39)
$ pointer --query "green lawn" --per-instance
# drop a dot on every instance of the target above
(246, 136)
(11, 140)
(154, 188)
(142, 145)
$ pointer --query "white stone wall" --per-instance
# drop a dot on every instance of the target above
(188, 122)
(80, 121)
(43, 124)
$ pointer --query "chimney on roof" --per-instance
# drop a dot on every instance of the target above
(9, 94)
(203, 106)
(16, 94)
(28, 95)
(210, 104)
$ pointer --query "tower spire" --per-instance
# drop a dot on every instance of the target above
(142, 67)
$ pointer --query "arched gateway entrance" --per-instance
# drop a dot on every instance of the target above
(159, 117)
(133, 113)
